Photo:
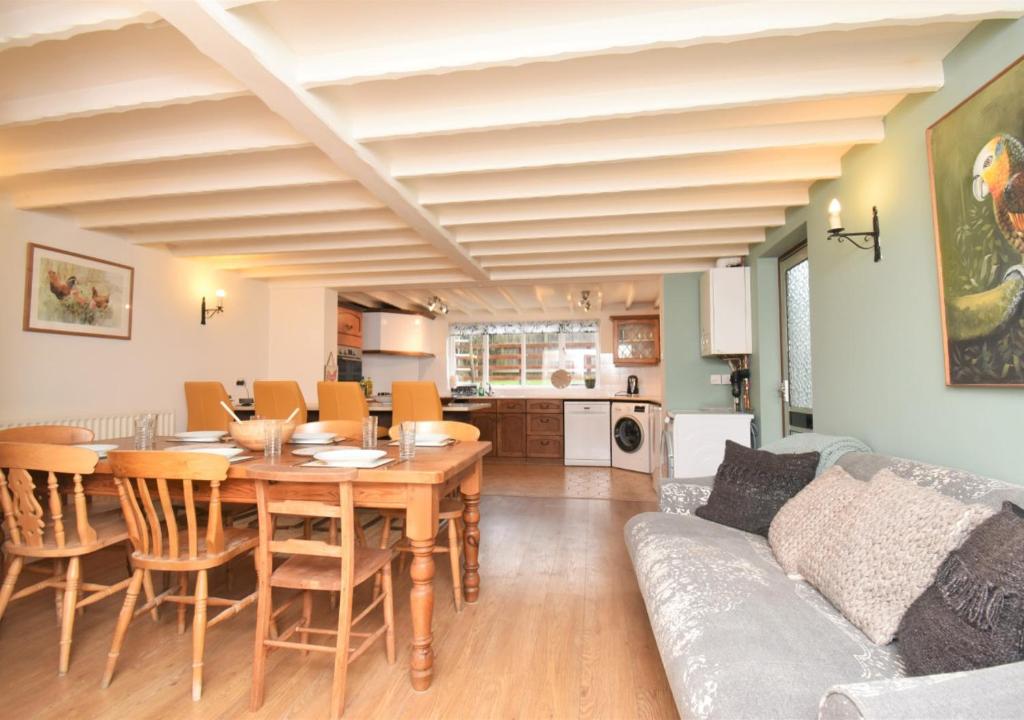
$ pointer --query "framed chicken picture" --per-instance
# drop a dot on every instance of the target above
(976, 153)
(77, 295)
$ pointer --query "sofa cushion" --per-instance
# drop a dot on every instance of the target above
(802, 522)
(876, 559)
(751, 485)
(737, 637)
(972, 616)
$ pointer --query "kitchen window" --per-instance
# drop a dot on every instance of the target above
(522, 354)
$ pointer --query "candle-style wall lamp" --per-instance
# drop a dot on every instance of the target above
(209, 313)
(838, 232)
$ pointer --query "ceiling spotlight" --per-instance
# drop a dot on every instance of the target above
(437, 305)
(584, 301)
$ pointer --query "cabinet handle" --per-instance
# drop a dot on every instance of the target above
(545, 442)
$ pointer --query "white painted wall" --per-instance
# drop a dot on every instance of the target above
(45, 376)
(303, 331)
(384, 370)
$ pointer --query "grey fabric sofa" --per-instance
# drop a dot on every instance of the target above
(739, 639)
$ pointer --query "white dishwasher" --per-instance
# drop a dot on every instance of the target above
(588, 433)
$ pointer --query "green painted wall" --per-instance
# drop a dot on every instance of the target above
(877, 341)
(687, 375)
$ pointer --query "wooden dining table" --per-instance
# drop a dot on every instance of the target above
(415, 486)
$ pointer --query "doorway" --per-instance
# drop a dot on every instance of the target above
(795, 317)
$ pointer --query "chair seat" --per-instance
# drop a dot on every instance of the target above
(109, 526)
(306, 572)
(236, 542)
(450, 509)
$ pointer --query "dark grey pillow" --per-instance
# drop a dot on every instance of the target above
(972, 616)
(752, 485)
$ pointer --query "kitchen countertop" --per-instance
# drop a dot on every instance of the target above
(458, 407)
(564, 396)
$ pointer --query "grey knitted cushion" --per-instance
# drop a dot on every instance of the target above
(802, 521)
(751, 485)
(885, 550)
(972, 616)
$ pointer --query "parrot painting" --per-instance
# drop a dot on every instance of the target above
(999, 172)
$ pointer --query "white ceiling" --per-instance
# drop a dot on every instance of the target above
(503, 154)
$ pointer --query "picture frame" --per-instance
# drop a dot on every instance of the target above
(976, 167)
(68, 293)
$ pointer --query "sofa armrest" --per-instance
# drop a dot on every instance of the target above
(682, 497)
(992, 693)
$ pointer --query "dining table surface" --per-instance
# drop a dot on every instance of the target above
(416, 485)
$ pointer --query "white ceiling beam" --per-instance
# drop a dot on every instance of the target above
(262, 170)
(744, 236)
(540, 299)
(630, 296)
(383, 297)
(479, 299)
(300, 243)
(291, 225)
(595, 271)
(201, 129)
(265, 70)
(510, 299)
(642, 146)
(241, 204)
(30, 22)
(583, 257)
(722, 197)
(623, 225)
(360, 298)
(685, 26)
(377, 281)
(757, 166)
(355, 268)
(242, 262)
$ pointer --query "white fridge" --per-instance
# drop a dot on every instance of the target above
(698, 441)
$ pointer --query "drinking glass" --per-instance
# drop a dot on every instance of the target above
(145, 431)
(407, 440)
(272, 438)
(369, 432)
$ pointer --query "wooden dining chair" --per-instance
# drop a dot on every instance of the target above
(50, 434)
(450, 508)
(414, 400)
(275, 399)
(37, 535)
(344, 401)
(203, 400)
(315, 565)
(149, 484)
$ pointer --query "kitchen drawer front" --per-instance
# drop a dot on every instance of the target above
(511, 406)
(492, 406)
(544, 406)
(540, 446)
(544, 424)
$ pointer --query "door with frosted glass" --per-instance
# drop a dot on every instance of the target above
(795, 304)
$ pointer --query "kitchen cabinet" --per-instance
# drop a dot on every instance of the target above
(725, 312)
(636, 339)
(487, 424)
(392, 333)
(511, 435)
(350, 328)
(544, 447)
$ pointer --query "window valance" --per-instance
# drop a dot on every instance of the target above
(509, 328)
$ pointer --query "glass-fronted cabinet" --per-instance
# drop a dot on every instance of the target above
(636, 339)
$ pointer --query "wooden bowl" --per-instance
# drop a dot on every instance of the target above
(249, 433)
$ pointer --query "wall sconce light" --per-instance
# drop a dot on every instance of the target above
(437, 305)
(836, 230)
(207, 314)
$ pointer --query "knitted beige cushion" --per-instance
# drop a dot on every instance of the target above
(802, 521)
(883, 552)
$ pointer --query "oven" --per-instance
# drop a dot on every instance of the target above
(350, 364)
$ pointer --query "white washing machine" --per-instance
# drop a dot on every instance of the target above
(632, 436)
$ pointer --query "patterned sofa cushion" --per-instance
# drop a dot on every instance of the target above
(723, 612)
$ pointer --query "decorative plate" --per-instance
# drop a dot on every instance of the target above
(561, 379)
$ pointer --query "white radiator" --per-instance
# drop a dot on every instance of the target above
(105, 428)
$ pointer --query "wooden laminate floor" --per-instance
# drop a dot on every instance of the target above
(560, 631)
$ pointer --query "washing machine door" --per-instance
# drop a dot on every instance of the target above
(628, 434)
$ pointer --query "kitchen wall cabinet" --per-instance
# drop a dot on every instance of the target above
(350, 328)
(636, 339)
(725, 312)
(392, 333)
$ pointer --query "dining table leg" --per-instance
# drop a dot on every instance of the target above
(471, 518)
(421, 527)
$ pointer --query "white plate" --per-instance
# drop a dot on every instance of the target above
(307, 451)
(200, 436)
(349, 455)
(432, 439)
(356, 464)
(228, 452)
(100, 450)
(313, 438)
